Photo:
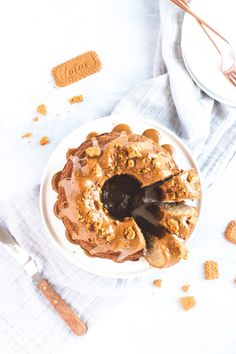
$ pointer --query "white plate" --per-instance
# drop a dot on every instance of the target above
(55, 227)
(208, 92)
(201, 58)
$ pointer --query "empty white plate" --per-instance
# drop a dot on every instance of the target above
(200, 56)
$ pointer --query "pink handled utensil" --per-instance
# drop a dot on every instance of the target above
(230, 72)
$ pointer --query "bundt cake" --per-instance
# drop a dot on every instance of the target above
(102, 189)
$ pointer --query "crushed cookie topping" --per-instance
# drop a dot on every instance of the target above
(133, 151)
(97, 225)
(129, 233)
(79, 217)
(110, 237)
(192, 220)
(156, 163)
(130, 163)
(93, 151)
(173, 223)
(118, 170)
(191, 175)
(146, 170)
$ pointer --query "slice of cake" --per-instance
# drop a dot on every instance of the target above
(165, 251)
(179, 218)
(185, 185)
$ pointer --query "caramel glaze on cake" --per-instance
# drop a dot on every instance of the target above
(165, 251)
(102, 186)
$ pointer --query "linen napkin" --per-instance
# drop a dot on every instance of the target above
(27, 322)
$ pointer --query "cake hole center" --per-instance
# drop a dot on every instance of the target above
(117, 195)
(123, 197)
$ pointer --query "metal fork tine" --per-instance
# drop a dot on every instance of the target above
(231, 79)
(233, 73)
(229, 74)
(228, 78)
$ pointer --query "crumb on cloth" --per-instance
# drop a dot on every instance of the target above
(26, 135)
(76, 99)
(42, 109)
(187, 302)
(185, 287)
(157, 283)
(44, 140)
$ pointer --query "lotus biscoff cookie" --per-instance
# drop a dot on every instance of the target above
(76, 69)
(230, 232)
(211, 270)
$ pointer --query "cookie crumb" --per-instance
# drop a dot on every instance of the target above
(130, 163)
(185, 287)
(35, 119)
(187, 302)
(76, 99)
(26, 135)
(93, 151)
(157, 283)
(211, 270)
(230, 232)
(110, 237)
(44, 140)
(129, 233)
(42, 109)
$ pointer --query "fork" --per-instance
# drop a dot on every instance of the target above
(229, 73)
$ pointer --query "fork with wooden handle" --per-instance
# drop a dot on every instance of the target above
(230, 72)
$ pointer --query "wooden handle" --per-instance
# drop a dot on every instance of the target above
(69, 316)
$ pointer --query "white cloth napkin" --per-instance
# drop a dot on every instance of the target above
(28, 324)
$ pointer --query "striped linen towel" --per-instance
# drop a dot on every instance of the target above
(27, 322)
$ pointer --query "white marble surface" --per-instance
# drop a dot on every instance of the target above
(36, 35)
